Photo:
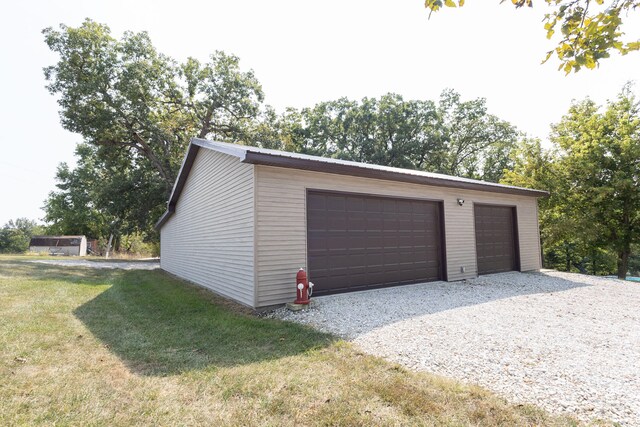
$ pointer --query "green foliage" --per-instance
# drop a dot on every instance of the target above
(590, 29)
(634, 261)
(124, 95)
(453, 136)
(15, 235)
(106, 193)
(601, 156)
(137, 244)
(476, 144)
(136, 109)
(592, 216)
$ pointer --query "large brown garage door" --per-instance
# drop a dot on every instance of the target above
(496, 239)
(358, 241)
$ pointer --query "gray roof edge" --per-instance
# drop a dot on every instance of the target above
(164, 218)
(236, 150)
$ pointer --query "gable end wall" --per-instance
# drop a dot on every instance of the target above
(209, 240)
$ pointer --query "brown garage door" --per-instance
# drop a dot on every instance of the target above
(358, 241)
(496, 239)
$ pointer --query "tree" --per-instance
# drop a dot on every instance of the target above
(476, 144)
(124, 94)
(388, 131)
(593, 174)
(590, 29)
(105, 194)
(601, 154)
(16, 235)
(565, 245)
(453, 137)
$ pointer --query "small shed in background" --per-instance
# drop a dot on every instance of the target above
(59, 245)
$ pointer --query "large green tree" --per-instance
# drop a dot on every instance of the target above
(452, 136)
(125, 94)
(593, 173)
(601, 154)
(589, 29)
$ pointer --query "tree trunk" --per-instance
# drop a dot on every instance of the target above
(623, 264)
(109, 246)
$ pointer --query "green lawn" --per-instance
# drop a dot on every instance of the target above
(104, 347)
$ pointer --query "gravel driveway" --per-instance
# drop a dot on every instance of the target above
(566, 342)
(122, 265)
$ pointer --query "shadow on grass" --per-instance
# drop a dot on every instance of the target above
(159, 325)
(25, 267)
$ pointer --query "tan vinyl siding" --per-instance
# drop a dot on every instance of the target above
(209, 240)
(528, 234)
(281, 224)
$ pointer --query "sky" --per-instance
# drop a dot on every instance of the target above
(302, 53)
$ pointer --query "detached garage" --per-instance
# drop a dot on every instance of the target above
(242, 220)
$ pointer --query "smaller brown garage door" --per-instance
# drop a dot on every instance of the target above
(496, 239)
(359, 241)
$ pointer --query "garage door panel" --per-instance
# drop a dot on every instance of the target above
(335, 203)
(390, 241)
(358, 242)
(372, 205)
(374, 223)
(496, 242)
(315, 224)
(405, 226)
(317, 203)
(355, 204)
(374, 259)
(338, 261)
(336, 241)
(375, 241)
(389, 206)
(406, 240)
(392, 259)
(361, 241)
(356, 222)
(320, 241)
(390, 223)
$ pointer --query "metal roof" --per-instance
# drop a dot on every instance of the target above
(56, 241)
(264, 156)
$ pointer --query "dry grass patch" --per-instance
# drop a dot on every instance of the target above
(106, 347)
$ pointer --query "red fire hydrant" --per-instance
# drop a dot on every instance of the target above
(304, 288)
